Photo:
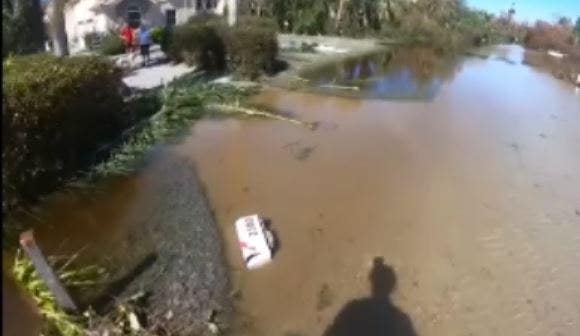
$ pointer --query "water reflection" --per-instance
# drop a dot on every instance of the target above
(375, 315)
(415, 74)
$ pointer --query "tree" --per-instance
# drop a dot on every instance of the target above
(56, 26)
(22, 27)
(565, 21)
(577, 30)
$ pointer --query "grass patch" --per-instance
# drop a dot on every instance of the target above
(55, 320)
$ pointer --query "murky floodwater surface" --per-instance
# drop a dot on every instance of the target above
(415, 74)
(457, 216)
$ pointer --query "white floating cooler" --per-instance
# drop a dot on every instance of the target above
(256, 241)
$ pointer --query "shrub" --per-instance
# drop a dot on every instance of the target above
(251, 46)
(419, 29)
(157, 34)
(256, 21)
(252, 49)
(198, 42)
(166, 38)
(547, 36)
(55, 114)
(112, 44)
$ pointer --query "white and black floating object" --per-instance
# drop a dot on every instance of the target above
(256, 241)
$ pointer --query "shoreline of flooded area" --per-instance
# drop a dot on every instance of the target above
(453, 215)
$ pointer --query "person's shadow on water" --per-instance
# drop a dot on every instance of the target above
(375, 315)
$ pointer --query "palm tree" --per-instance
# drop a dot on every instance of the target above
(56, 27)
(22, 30)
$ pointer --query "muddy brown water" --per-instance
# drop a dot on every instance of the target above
(454, 216)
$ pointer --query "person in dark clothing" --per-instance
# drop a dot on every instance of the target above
(375, 315)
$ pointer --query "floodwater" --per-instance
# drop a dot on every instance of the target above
(406, 74)
(453, 215)
(471, 200)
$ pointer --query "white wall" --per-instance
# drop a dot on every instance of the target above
(80, 19)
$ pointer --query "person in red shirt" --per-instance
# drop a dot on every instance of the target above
(128, 36)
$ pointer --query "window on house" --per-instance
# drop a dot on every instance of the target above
(133, 16)
(198, 5)
(209, 4)
(170, 18)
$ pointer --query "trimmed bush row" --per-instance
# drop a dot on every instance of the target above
(56, 112)
(247, 49)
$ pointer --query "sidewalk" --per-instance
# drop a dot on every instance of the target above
(159, 72)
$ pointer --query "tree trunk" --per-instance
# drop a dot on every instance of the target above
(232, 6)
(57, 28)
(339, 13)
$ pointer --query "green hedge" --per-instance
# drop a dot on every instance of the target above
(252, 49)
(55, 114)
(199, 42)
(251, 46)
(112, 44)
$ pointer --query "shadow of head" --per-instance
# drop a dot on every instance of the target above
(382, 278)
(375, 315)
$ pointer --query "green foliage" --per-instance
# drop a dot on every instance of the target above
(300, 16)
(106, 44)
(55, 114)
(252, 48)
(157, 34)
(55, 320)
(447, 25)
(22, 27)
(162, 36)
(183, 102)
(112, 44)
(199, 42)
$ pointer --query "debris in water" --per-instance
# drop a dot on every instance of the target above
(236, 294)
(304, 153)
(213, 328)
(340, 87)
(506, 60)
(210, 315)
(325, 297)
(236, 109)
(134, 322)
(300, 152)
(256, 242)
(327, 49)
(515, 147)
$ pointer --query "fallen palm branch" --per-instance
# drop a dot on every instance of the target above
(340, 87)
(253, 112)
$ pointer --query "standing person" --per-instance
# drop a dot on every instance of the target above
(128, 37)
(145, 40)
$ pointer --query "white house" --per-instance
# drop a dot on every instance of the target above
(101, 16)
